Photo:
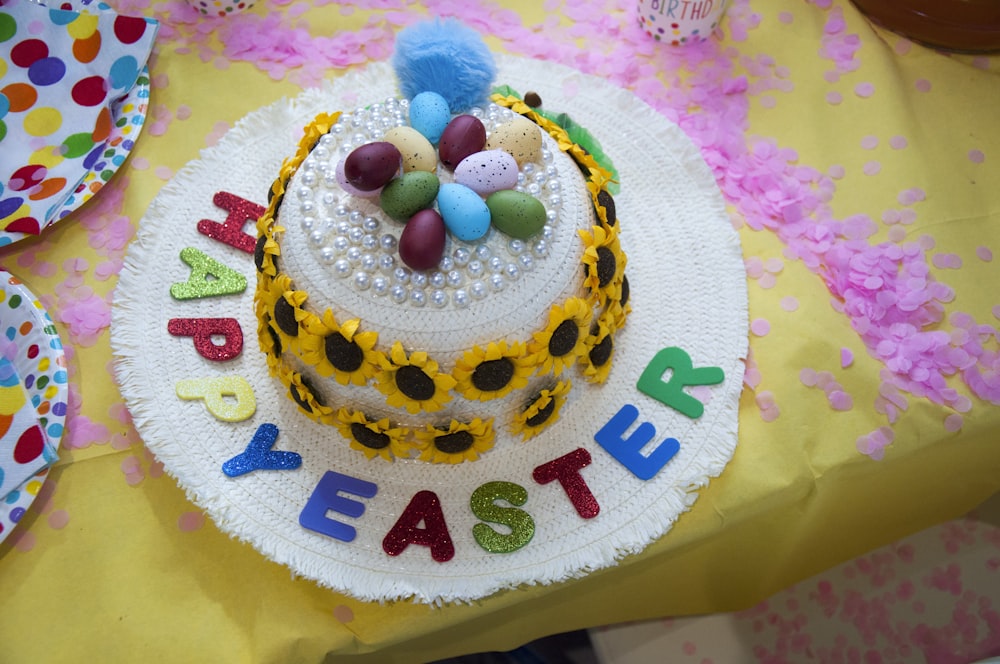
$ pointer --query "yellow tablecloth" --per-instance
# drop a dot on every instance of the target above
(113, 563)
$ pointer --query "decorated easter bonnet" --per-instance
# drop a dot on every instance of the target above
(237, 307)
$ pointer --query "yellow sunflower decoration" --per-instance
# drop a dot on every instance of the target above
(373, 437)
(604, 263)
(541, 411)
(604, 204)
(461, 441)
(340, 350)
(562, 341)
(413, 382)
(600, 347)
(304, 395)
(491, 373)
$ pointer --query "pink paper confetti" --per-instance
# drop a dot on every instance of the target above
(869, 142)
(984, 254)
(846, 358)
(953, 423)
(834, 98)
(911, 196)
(873, 444)
(922, 85)
(789, 303)
(840, 400)
(898, 142)
(760, 327)
(977, 156)
(864, 90)
(58, 519)
(872, 168)
(947, 261)
(190, 521)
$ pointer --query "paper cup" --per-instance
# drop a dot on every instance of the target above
(680, 22)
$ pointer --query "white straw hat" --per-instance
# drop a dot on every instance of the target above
(688, 292)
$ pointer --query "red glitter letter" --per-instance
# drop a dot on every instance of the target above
(202, 329)
(231, 231)
(425, 507)
(566, 469)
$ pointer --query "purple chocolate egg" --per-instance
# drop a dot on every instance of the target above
(421, 244)
(372, 165)
(463, 136)
(350, 188)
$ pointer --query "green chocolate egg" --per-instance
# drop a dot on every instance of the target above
(403, 197)
(515, 213)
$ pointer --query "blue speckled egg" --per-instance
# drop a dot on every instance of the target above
(429, 114)
(487, 171)
(465, 214)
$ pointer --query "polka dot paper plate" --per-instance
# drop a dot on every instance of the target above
(128, 117)
(73, 95)
(30, 340)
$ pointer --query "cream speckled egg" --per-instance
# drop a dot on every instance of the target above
(520, 137)
(418, 153)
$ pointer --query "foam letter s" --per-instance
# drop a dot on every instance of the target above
(483, 504)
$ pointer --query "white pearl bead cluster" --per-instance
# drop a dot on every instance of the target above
(359, 243)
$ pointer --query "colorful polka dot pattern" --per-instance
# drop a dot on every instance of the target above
(30, 340)
(63, 76)
(220, 8)
(679, 22)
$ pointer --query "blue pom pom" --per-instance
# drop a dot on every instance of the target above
(445, 57)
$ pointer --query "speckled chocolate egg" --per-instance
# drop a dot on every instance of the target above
(421, 244)
(418, 153)
(464, 212)
(487, 171)
(516, 213)
(429, 114)
(463, 136)
(520, 137)
(404, 196)
(372, 165)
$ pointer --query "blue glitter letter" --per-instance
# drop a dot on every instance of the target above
(627, 450)
(325, 498)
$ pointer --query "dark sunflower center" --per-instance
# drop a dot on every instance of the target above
(493, 375)
(275, 339)
(606, 266)
(370, 439)
(454, 443)
(564, 338)
(414, 383)
(625, 291)
(258, 253)
(284, 316)
(601, 352)
(605, 200)
(543, 413)
(300, 394)
(344, 355)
